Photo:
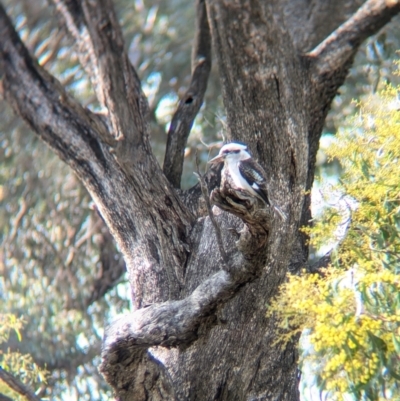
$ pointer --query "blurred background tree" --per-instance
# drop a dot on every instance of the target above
(51, 234)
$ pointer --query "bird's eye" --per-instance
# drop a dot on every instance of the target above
(226, 151)
(236, 151)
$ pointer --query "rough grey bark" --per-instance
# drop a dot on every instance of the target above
(199, 329)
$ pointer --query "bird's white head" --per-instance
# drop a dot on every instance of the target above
(232, 152)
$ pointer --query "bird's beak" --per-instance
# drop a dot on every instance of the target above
(217, 159)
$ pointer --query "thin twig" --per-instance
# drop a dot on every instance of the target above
(16, 385)
(19, 216)
(206, 195)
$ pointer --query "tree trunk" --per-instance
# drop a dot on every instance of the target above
(199, 331)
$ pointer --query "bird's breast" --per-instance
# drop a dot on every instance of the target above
(233, 176)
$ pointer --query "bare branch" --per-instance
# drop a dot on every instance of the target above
(172, 322)
(95, 28)
(16, 385)
(42, 102)
(191, 102)
(310, 22)
(179, 323)
(59, 120)
(338, 48)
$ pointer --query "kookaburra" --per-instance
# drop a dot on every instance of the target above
(244, 172)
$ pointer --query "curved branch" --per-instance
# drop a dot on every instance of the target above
(172, 323)
(310, 22)
(16, 385)
(191, 102)
(338, 48)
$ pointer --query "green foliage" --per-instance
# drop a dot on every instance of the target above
(20, 365)
(10, 322)
(352, 310)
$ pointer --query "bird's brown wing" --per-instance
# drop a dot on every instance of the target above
(254, 174)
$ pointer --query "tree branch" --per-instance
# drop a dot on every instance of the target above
(71, 14)
(310, 22)
(177, 323)
(172, 323)
(59, 120)
(191, 102)
(95, 28)
(339, 47)
(121, 194)
(42, 102)
(16, 385)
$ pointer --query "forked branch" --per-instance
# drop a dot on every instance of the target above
(72, 131)
(337, 49)
(191, 102)
(94, 27)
